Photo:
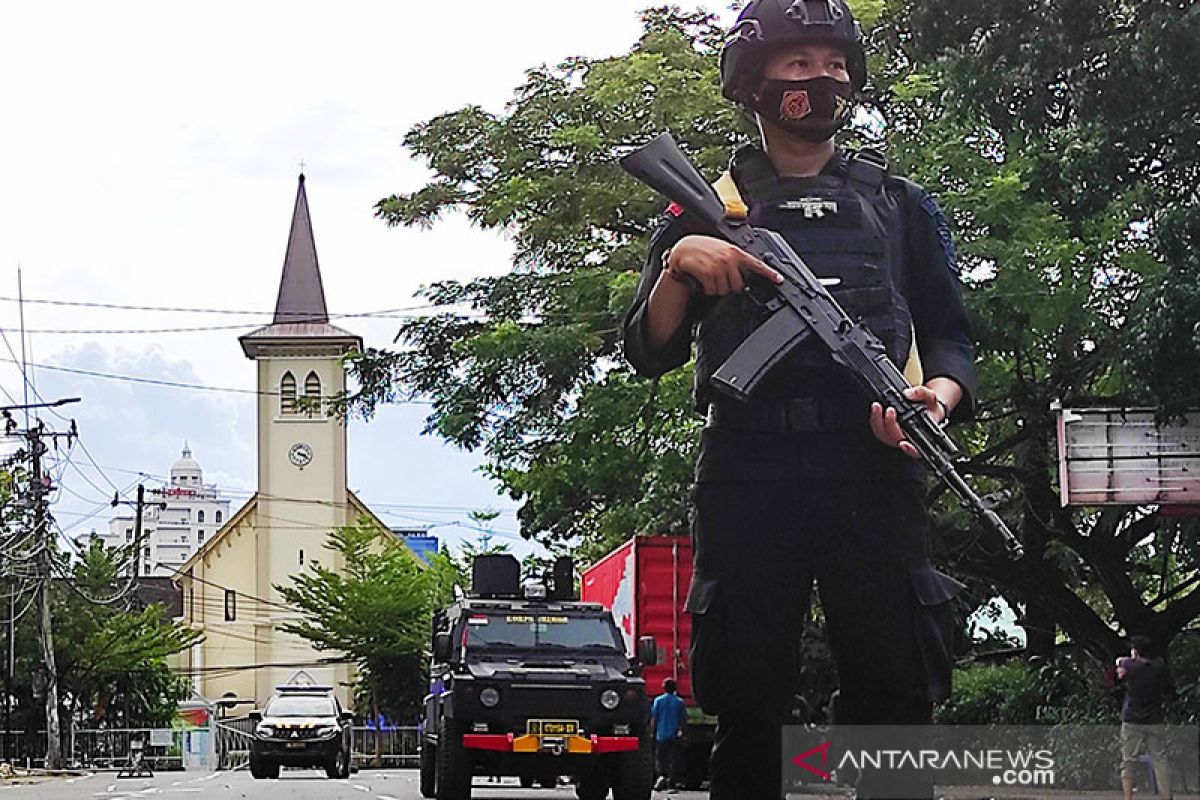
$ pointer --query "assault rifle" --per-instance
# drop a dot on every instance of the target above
(801, 307)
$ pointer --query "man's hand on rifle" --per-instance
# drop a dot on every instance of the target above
(713, 265)
(886, 426)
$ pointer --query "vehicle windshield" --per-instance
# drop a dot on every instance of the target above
(541, 630)
(300, 706)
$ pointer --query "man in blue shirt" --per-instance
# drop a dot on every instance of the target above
(667, 717)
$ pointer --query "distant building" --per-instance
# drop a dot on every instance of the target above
(194, 512)
(419, 541)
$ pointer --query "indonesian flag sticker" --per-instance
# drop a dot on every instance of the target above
(795, 105)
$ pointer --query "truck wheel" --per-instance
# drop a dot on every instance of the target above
(454, 767)
(592, 785)
(634, 772)
(526, 781)
(428, 769)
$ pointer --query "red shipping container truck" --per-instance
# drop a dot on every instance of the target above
(644, 582)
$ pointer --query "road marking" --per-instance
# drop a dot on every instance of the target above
(361, 788)
(110, 788)
(184, 790)
(385, 797)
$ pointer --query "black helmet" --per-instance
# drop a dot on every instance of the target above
(763, 25)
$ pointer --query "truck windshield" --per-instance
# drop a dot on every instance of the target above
(545, 630)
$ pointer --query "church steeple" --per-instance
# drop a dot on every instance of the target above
(301, 318)
(301, 295)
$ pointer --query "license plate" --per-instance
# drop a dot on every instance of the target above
(294, 745)
(553, 727)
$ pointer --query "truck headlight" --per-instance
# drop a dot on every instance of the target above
(262, 729)
(610, 699)
(489, 697)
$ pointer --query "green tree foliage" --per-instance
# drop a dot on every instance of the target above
(374, 607)
(1063, 139)
(111, 652)
(527, 365)
(1060, 138)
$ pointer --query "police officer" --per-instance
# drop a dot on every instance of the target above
(808, 480)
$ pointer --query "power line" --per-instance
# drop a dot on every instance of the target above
(176, 384)
(301, 316)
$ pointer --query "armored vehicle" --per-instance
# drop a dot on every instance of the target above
(534, 684)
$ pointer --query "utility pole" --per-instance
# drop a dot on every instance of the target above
(139, 506)
(43, 539)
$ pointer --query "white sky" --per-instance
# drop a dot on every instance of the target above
(148, 156)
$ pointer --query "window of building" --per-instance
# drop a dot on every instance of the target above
(200, 516)
(287, 394)
(302, 557)
(218, 516)
(199, 537)
(312, 385)
(230, 605)
(129, 534)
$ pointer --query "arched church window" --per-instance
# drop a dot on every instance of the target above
(218, 516)
(287, 394)
(312, 385)
(199, 516)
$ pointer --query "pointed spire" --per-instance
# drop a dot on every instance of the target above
(187, 451)
(301, 296)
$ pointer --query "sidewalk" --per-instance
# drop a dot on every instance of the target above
(19, 776)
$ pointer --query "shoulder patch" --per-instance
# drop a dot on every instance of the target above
(931, 207)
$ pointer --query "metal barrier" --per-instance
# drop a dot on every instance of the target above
(398, 746)
(108, 748)
(232, 738)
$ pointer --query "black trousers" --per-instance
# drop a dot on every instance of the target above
(759, 547)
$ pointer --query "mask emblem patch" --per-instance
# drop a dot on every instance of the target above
(795, 105)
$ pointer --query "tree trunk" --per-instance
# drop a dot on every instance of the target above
(378, 724)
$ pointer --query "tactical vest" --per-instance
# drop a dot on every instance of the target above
(849, 230)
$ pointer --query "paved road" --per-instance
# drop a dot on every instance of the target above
(377, 785)
(368, 784)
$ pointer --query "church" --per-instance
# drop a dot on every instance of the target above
(228, 584)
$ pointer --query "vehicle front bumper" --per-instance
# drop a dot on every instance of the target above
(293, 753)
(556, 745)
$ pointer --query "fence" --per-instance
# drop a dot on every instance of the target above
(108, 748)
(397, 745)
(232, 739)
(105, 748)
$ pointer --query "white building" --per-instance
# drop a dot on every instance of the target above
(193, 513)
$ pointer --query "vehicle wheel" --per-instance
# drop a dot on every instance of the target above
(634, 772)
(592, 785)
(338, 765)
(260, 769)
(454, 767)
(526, 781)
(548, 781)
(429, 769)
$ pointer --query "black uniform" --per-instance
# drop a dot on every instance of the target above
(793, 486)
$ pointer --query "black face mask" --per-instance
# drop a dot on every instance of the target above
(812, 109)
